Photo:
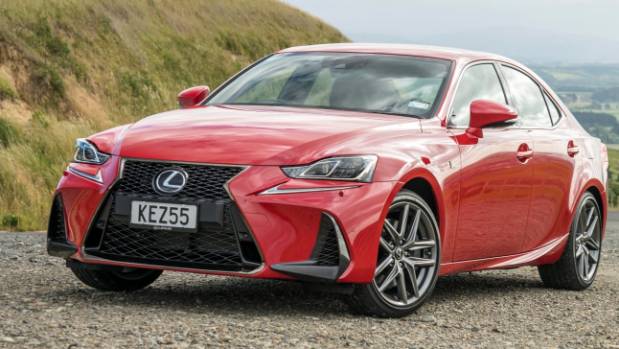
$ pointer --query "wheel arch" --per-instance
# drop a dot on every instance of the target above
(423, 188)
(596, 188)
(423, 182)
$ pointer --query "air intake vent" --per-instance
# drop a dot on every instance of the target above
(56, 230)
(326, 251)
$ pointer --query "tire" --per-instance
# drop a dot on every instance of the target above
(414, 254)
(569, 271)
(118, 281)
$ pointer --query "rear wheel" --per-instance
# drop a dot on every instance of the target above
(407, 264)
(123, 279)
(577, 267)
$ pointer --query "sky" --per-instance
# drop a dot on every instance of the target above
(532, 31)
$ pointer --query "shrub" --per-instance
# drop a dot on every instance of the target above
(52, 44)
(6, 90)
(39, 118)
(8, 133)
(10, 220)
(50, 81)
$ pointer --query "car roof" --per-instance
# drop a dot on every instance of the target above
(454, 54)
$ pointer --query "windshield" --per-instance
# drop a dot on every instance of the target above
(403, 85)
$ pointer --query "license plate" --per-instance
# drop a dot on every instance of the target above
(164, 215)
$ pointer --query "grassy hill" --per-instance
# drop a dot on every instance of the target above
(69, 68)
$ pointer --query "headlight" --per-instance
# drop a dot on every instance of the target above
(348, 168)
(86, 152)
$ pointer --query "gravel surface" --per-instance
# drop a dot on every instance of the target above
(43, 305)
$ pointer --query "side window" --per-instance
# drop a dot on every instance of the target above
(528, 99)
(478, 82)
(555, 114)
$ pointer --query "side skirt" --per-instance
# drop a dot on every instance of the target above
(546, 254)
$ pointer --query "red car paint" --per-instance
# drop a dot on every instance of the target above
(503, 200)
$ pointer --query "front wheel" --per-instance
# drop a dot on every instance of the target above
(576, 268)
(408, 260)
(125, 280)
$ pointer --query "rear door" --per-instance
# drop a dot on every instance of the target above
(555, 152)
(495, 183)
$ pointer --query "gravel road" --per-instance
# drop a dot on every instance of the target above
(43, 305)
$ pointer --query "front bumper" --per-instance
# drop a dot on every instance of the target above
(288, 228)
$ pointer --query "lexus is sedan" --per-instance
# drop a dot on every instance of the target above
(371, 168)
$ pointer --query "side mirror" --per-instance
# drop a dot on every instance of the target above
(485, 113)
(193, 96)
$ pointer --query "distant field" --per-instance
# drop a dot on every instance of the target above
(591, 92)
(584, 78)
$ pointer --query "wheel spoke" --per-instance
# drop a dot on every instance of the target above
(393, 233)
(586, 264)
(418, 262)
(412, 235)
(579, 238)
(402, 285)
(579, 251)
(389, 279)
(591, 228)
(589, 216)
(592, 257)
(412, 275)
(404, 220)
(418, 245)
(385, 245)
(581, 265)
(593, 245)
(384, 264)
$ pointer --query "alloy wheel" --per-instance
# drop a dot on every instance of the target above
(587, 241)
(408, 255)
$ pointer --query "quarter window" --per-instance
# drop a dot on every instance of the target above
(478, 82)
(528, 99)
(555, 114)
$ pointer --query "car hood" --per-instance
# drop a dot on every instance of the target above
(251, 135)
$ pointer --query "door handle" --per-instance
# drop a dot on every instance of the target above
(572, 149)
(524, 153)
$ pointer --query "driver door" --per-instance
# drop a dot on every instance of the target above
(495, 184)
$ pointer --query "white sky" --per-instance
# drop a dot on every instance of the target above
(535, 31)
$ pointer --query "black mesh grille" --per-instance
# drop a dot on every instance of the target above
(326, 251)
(214, 246)
(206, 248)
(203, 182)
(56, 230)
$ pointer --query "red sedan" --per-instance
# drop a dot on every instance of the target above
(376, 168)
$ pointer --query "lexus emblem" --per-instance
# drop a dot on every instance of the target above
(170, 181)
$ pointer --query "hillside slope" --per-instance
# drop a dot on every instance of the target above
(69, 68)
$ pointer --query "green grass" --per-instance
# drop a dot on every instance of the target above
(6, 90)
(9, 133)
(613, 179)
(87, 65)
